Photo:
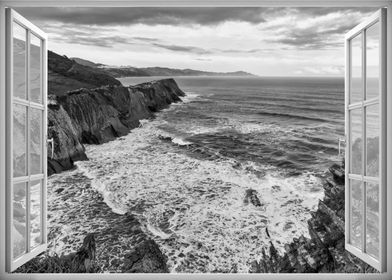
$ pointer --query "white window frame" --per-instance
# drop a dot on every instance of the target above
(380, 100)
(13, 17)
(194, 3)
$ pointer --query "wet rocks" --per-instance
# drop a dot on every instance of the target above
(145, 258)
(165, 138)
(81, 261)
(251, 197)
(324, 251)
(79, 209)
(337, 173)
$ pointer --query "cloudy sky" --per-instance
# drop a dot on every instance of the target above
(263, 41)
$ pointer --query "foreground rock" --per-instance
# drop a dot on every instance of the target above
(75, 210)
(251, 197)
(82, 261)
(145, 258)
(324, 251)
(95, 116)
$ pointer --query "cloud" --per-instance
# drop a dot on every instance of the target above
(146, 39)
(239, 50)
(203, 59)
(146, 15)
(321, 70)
(310, 28)
(177, 48)
(258, 40)
(84, 37)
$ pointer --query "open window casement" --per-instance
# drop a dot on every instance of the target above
(26, 140)
(365, 110)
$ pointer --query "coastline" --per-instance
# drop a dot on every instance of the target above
(99, 115)
(73, 194)
(76, 209)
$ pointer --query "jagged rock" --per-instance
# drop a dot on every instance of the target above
(335, 219)
(251, 197)
(324, 251)
(82, 261)
(165, 138)
(67, 147)
(338, 173)
(145, 258)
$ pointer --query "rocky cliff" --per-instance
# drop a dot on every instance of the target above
(94, 116)
(324, 251)
(68, 147)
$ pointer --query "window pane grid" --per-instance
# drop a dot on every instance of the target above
(364, 139)
(28, 123)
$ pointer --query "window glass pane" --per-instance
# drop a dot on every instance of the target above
(356, 205)
(372, 61)
(372, 140)
(35, 141)
(19, 220)
(356, 141)
(35, 213)
(35, 69)
(356, 86)
(19, 63)
(19, 140)
(372, 219)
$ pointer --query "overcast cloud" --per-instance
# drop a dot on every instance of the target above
(264, 41)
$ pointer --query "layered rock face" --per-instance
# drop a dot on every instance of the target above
(324, 251)
(94, 116)
(67, 146)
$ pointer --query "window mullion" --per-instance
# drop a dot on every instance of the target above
(28, 185)
(363, 141)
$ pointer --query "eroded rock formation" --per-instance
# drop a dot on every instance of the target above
(67, 148)
(324, 251)
(94, 116)
(145, 258)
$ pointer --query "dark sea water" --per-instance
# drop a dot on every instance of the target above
(290, 123)
(185, 174)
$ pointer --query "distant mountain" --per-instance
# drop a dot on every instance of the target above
(86, 62)
(129, 71)
(162, 71)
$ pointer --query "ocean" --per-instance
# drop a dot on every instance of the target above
(185, 173)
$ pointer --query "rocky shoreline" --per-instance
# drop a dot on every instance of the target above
(324, 251)
(95, 116)
(121, 246)
(88, 106)
(77, 211)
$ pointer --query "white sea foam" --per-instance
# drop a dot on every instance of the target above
(189, 97)
(181, 142)
(194, 209)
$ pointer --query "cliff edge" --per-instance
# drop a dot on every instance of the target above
(95, 116)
